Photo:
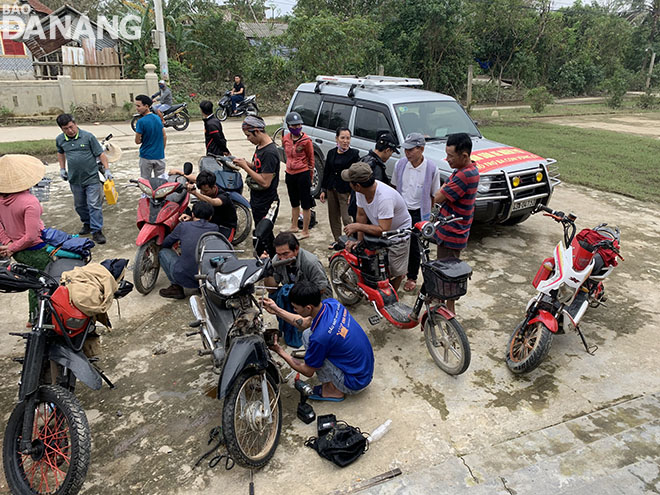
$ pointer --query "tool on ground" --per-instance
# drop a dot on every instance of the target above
(306, 412)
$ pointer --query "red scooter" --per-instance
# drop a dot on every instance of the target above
(363, 273)
(158, 213)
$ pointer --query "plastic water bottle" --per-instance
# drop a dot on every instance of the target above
(380, 431)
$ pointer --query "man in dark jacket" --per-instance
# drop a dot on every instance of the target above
(216, 143)
(180, 270)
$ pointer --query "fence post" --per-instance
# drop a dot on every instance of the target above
(66, 92)
(151, 79)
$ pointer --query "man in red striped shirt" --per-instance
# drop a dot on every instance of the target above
(457, 197)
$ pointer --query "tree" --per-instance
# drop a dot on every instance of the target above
(247, 10)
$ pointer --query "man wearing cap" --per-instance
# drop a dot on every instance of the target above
(457, 197)
(20, 215)
(385, 209)
(77, 154)
(264, 172)
(164, 98)
(386, 145)
(150, 135)
(417, 179)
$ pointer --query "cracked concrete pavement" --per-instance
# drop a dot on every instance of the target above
(578, 423)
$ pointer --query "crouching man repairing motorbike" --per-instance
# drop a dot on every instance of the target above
(337, 349)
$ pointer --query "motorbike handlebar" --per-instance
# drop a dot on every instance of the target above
(134, 181)
(388, 234)
(200, 276)
(278, 263)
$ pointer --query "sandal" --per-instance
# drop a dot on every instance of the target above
(300, 237)
(410, 285)
(317, 395)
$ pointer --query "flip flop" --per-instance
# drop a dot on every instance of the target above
(301, 237)
(318, 390)
(410, 285)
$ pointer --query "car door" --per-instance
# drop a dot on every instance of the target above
(370, 120)
(335, 112)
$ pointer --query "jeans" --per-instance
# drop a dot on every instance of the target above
(168, 259)
(235, 99)
(87, 201)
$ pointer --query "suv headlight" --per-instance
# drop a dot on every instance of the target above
(228, 284)
(484, 185)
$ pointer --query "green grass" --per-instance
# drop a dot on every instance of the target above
(605, 160)
(43, 148)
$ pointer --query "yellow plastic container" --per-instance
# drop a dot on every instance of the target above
(110, 192)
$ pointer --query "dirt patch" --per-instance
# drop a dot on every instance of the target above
(640, 124)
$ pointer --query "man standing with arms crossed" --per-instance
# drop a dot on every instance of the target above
(150, 135)
(79, 150)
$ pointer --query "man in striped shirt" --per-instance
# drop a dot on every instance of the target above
(457, 197)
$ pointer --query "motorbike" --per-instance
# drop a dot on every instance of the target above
(243, 108)
(176, 116)
(568, 283)
(163, 202)
(362, 273)
(229, 179)
(47, 442)
(230, 323)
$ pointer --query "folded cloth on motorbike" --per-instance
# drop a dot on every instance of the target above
(593, 237)
(116, 266)
(68, 242)
(91, 288)
(292, 336)
(56, 252)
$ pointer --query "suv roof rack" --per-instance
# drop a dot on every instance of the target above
(370, 80)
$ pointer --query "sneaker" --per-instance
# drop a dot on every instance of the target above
(98, 237)
(85, 229)
(172, 292)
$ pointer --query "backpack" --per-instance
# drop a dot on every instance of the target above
(342, 443)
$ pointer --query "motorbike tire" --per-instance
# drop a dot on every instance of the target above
(243, 224)
(146, 267)
(183, 125)
(134, 122)
(451, 352)
(64, 441)
(221, 113)
(251, 441)
(318, 175)
(528, 347)
(337, 267)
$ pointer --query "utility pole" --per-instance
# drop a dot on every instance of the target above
(160, 40)
(648, 77)
(469, 87)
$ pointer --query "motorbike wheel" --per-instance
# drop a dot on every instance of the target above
(134, 122)
(341, 275)
(146, 267)
(61, 437)
(221, 113)
(528, 346)
(250, 439)
(182, 122)
(447, 344)
(243, 224)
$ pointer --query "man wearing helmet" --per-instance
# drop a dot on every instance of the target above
(164, 97)
(299, 152)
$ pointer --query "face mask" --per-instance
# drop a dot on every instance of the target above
(296, 131)
(341, 148)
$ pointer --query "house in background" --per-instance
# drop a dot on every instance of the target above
(256, 31)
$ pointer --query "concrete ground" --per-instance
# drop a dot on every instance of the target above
(578, 423)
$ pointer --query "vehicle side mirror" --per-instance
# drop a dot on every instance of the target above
(187, 168)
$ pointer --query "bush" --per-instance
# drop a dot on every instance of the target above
(647, 101)
(616, 87)
(5, 114)
(538, 98)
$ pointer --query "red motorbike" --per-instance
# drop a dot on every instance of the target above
(363, 273)
(163, 202)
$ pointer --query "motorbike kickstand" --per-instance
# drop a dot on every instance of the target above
(590, 349)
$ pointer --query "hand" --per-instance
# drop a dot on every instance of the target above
(322, 197)
(270, 306)
(350, 245)
(241, 162)
(276, 346)
(64, 174)
(5, 252)
(352, 228)
(185, 218)
(191, 187)
(108, 174)
(175, 171)
(439, 197)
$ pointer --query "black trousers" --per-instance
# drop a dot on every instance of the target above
(257, 214)
(414, 259)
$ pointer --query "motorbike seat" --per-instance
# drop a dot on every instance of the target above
(173, 108)
(372, 242)
(211, 243)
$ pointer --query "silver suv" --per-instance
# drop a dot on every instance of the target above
(512, 182)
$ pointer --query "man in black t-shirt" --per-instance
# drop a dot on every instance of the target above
(238, 93)
(224, 211)
(216, 143)
(264, 171)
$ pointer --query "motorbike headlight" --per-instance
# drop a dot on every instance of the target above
(145, 189)
(161, 192)
(254, 277)
(565, 293)
(484, 185)
(228, 284)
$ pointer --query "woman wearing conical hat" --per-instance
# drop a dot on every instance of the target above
(20, 215)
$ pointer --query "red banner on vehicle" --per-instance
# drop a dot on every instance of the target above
(494, 158)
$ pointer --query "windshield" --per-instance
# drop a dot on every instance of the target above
(434, 119)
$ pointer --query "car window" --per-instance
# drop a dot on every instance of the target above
(434, 119)
(369, 123)
(307, 105)
(334, 115)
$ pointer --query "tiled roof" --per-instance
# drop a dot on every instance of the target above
(262, 29)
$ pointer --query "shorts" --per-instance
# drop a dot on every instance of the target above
(398, 258)
(147, 167)
(299, 189)
(445, 252)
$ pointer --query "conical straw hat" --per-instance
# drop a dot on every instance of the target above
(20, 172)
(112, 152)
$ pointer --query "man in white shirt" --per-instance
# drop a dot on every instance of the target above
(385, 209)
(417, 180)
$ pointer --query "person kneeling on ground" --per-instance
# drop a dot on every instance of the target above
(180, 270)
(337, 349)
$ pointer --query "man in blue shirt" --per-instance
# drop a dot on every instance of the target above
(337, 349)
(150, 135)
(181, 270)
(80, 150)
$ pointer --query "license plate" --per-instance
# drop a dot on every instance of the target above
(523, 205)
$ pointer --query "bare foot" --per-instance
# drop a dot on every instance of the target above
(293, 230)
(302, 236)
